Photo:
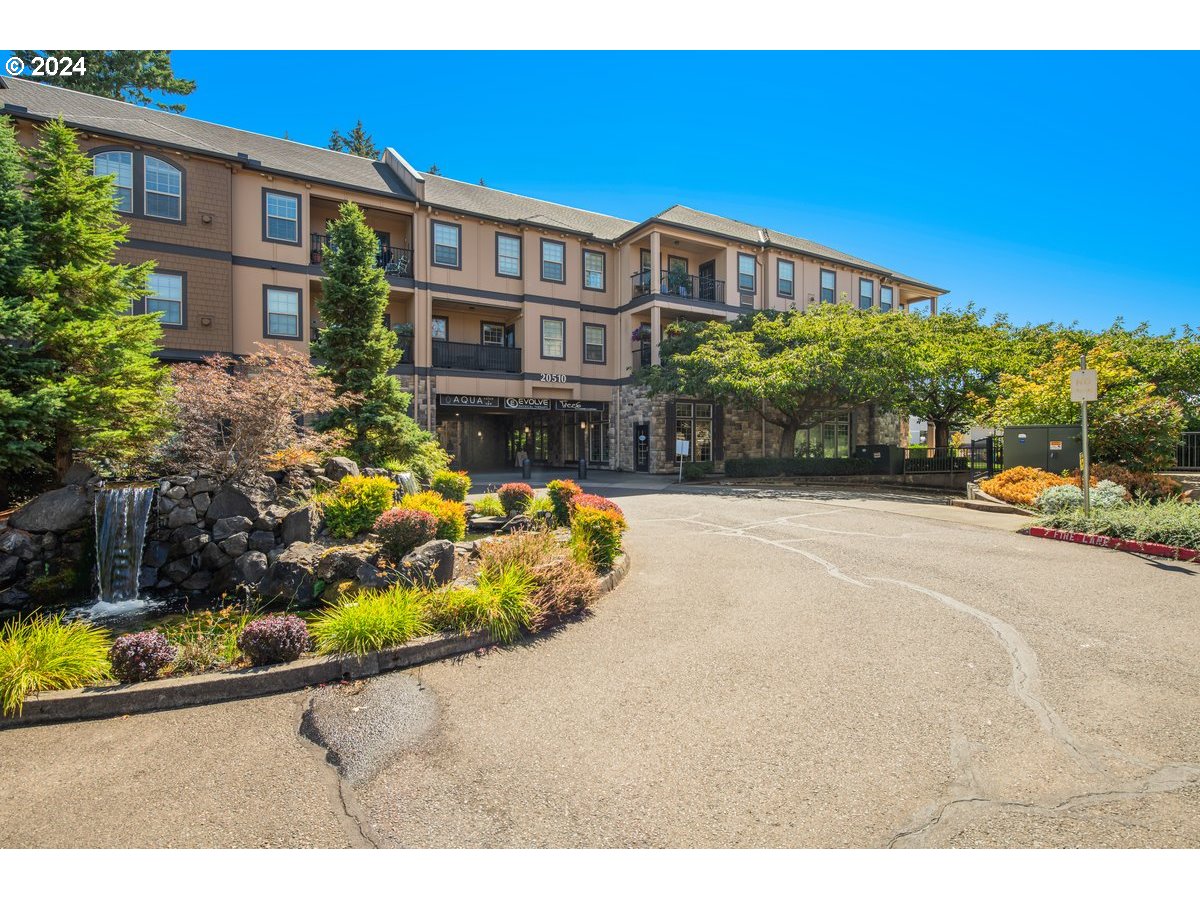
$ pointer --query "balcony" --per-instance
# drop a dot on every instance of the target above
(476, 357)
(679, 284)
(396, 261)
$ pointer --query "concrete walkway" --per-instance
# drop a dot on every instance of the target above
(800, 668)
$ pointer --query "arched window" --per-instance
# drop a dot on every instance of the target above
(164, 189)
(120, 164)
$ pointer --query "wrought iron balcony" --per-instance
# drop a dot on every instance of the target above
(676, 283)
(476, 357)
(393, 260)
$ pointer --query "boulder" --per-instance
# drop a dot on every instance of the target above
(180, 516)
(165, 505)
(8, 566)
(372, 577)
(270, 518)
(236, 544)
(201, 485)
(14, 598)
(517, 523)
(182, 480)
(79, 473)
(488, 523)
(344, 562)
(177, 571)
(201, 502)
(57, 510)
(430, 564)
(175, 492)
(324, 482)
(249, 568)
(14, 542)
(263, 541)
(187, 540)
(237, 500)
(213, 557)
(198, 581)
(156, 554)
(230, 525)
(293, 573)
(338, 467)
(147, 576)
(300, 525)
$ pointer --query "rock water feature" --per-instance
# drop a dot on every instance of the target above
(122, 516)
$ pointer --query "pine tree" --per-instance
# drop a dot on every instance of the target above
(357, 351)
(28, 398)
(102, 356)
(434, 170)
(357, 142)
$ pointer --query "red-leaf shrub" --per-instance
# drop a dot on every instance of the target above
(595, 501)
(140, 656)
(513, 496)
(562, 491)
(403, 530)
(274, 639)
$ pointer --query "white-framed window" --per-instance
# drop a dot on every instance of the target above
(593, 270)
(554, 344)
(553, 260)
(866, 293)
(447, 241)
(283, 312)
(491, 334)
(508, 255)
(120, 164)
(885, 298)
(594, 349)
(746, 273)
(828, 286)
(165, 297)
(282, 213)
(786, 278)
(164, 189)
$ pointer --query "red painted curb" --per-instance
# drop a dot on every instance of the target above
(1183, 554)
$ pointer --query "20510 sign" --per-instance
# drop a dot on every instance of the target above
(557, 379)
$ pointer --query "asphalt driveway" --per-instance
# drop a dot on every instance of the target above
(818, 669)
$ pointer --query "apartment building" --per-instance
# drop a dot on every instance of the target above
(522, 321)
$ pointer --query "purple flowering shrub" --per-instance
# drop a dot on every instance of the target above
(141, 656)
(274, 639)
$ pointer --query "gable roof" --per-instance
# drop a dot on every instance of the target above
(100, 115)
(486, 201)
(87, 112)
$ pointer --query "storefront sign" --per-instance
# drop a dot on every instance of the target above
(534, 403)
(579, 405)
(469, 400)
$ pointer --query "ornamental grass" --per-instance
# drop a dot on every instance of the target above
(44, 653)
(371, 620)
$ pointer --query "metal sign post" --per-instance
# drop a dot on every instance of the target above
(681, 450)
(1084, 387)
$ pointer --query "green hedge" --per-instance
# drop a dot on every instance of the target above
(765, 468)
(1170, 522)
(695, 470)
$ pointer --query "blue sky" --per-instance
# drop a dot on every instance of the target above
(1048, 186)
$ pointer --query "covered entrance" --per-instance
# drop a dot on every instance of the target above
(484, 432)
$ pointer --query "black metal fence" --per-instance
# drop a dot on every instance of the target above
(393, 260)
(982, 458)
(1187, 454)
(476, 357)
(676, 283)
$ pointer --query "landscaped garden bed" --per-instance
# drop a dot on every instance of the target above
(411, 582)
(1170, 528)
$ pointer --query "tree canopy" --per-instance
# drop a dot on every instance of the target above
(130, 75)
(787, 366)
(356, 143)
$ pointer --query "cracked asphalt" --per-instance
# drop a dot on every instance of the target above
(811, 669)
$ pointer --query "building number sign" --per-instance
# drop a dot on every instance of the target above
(557, 379)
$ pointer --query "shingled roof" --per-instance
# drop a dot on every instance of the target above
(100, 115)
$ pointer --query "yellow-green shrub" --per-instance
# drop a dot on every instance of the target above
(355, 504)
(450, 514)
(596, 535)
(451, 485)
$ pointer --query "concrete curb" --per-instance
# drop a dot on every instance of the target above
(1149, 548)
(216, 687)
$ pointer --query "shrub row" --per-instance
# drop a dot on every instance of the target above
(1171, 522)
(766, 468)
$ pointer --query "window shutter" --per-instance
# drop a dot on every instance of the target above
(670, 435)
(718, 432)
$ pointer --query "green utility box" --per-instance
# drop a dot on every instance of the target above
(1054, 448)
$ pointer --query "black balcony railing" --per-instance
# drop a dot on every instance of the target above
(641, 356)
(405, 343)
(393, 260)
(476, 357)
(676, 283)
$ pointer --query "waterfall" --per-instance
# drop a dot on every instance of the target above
(122, 515)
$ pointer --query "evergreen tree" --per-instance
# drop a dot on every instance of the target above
(128, 75)
(28, 399)
(357, 142)
(357, 350)
(434, 170)
(101, 356)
